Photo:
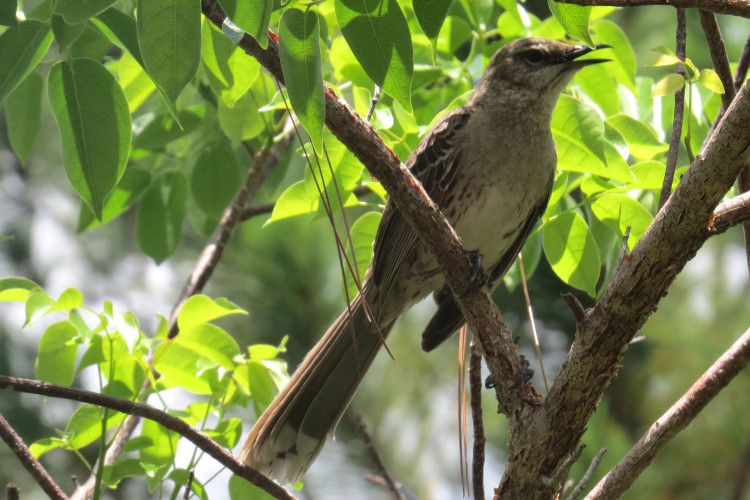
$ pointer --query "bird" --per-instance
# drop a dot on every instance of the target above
(489, 166)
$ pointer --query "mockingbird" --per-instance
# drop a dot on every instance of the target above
(489, 166)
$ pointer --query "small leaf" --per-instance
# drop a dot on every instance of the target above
(134, 80)
(362, 233)
(430, 15)
(378, 34)
(121, 30)
(581, 124)
(161, 215)
(42, 446)
(619, 211)
(169, 37)
(201, 309)
(215, 178)
(164, 129)
(156, 459)
(668, 85)
(711, 81)
(252, 17)
(230, 71)
(299, 51)
(23, 114)
(16, 289)
(21, 48)
(77, 11)
(65, 33)
(240, 489)
(574, 18)
(664, 60)
(663, 49)
(94, 121)
(571, 251)
(130, 188)
(211, 342)
(56, 355)
(642, 140)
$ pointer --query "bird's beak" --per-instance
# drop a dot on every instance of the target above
(580, 50)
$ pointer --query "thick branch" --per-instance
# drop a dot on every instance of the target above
(740, 8)
(31, 464)
(361, 139)
(197, 437)
(731, 363)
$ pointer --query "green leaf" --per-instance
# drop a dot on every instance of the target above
(70, 299)
(85, 425)
(580, 124)
(299, 51)
(121, 30)
(211, 342)
(230, 71)
(711, 81)
(169, 36)
(158, 457)
(161, 214)
(649, 175)
(295, 200)
(262, 385)
(240, 489)
(42, 446)
(571, 251)
(37, 305)
(66, 34)
(16, 289)
(178, 366)
(227, 433)
(130, 188)
(94, 120)
(668, 85)
(8, 12)
(122, 468)
(362, 233)
(263, 351)
(430, 15)
(215, 178)
(164, 129)
(574, 18)
(23, 114)
(250, 16)
(664, 60)
(378, 34)
(21, 48)
(619, 211)
(56, 355)
(243, 121)
(134, 80)
(623, 62)
(201, 309)
(76, 11)
(642, 140)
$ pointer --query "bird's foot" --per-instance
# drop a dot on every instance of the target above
(479, 277)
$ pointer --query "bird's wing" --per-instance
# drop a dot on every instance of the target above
(434, 162)
(449, 318)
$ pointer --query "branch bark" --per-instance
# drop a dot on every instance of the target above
(740, 8)
(195, 436)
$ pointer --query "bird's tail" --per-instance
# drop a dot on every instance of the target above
(291, 432)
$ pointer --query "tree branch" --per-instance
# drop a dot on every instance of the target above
(475, 390)
(740, 8)
(195, 436)
(728, 366)
(730, 213)
(31, 464)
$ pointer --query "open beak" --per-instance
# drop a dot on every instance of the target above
(580, 50)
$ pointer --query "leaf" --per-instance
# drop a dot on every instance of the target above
(134, 80)
(574, 18)
(66, 34)
(94, 120)
(121, 30)
(215, 178)
(668, 85)
(211, 342)
(711, 81)
(251, 16)
(56, 355)
(201, 309)
(295, 200)
(23, 114)
(21, 48)
(165, 128)
(430, 15)
(130, 188)
(37, 305)
(243, 121)
(169, 37)
(158, 457)
(619, 211)
(299, 51)
(262, 385)
(378, 34)
(161, 214)
(16, 289)
(571, 251)
(227, 433)
(240, 489)
(42, 446)
(623, 62)
(581, 124)
(70, 299)
(664, 60)
(230, 71)
(85, 425)
(76, 11)
(8, 12)
(178, 366)
(362, 233)
(642, 140)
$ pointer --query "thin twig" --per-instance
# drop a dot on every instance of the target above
(623, 251)
(163, 418)
(209, 258)
(679, 113)
(578, 490)
(530, 311)
(373, 103)
(728, 366)
(31, 464)
(730, 213)
(362, 427)
(12, 492)
(463, 441)
(189, 485)
(475, 390)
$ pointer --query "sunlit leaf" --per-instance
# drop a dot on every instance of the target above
(250, 16)
(21, 48)
(668, 85)
(574, 18)
(711, 81)
(571, 251)
(77, 11)
(56, 355)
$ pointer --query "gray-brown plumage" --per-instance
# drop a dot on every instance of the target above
(489, 166)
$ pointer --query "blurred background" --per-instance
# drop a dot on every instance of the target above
(410, 404)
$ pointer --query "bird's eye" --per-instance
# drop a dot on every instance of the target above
(533, 56)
